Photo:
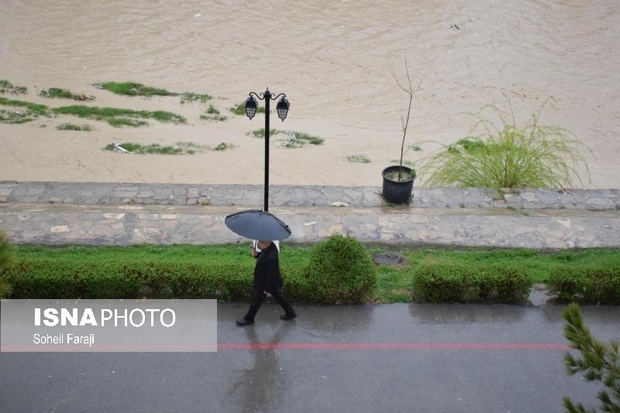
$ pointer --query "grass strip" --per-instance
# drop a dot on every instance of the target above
(8, 87)
(57, 92)
(133, 89)
(36, 109)
(181, 148)
(112, 115)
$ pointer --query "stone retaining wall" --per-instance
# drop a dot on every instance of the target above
(91, 193)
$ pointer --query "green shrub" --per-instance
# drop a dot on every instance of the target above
(7, 260)
(457, 283)
(296, 286)
(438, 283)
(586, 285)
(341, 271)
(503, 284)
(5, 288)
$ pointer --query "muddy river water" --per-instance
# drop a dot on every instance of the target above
(336, 61)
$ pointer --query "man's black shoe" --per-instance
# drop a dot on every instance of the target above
(244, 322)
(288, 316)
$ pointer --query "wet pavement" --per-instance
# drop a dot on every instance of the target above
(383, 358)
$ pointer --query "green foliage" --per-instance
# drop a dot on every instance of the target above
(507, 155)
(340, 270)
(116, 116)
(260, 133)
(8, 87)
(212, 114)
(299, 139)
(132, 89)
(189, 97)
(294, 139)
(239, 109)
(358, 159)
(218, 272)
(586, 284)
(48, 278)
(181, 148)
(32, 109)
(450, 283)
(597, 361)
(8, 258)
(7, 251)
(16, 117)
(401, 174)
(223, 147)
(439, 284)
(71, 126)
(5, 288)
(394, 283)
(56, 92)
(122, 122)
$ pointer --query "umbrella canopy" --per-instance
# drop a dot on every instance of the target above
(259, 225)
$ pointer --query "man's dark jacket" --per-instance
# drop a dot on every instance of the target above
(267, 276)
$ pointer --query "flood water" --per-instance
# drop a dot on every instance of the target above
(337, 62)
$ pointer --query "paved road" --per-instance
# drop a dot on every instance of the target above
(382, 358)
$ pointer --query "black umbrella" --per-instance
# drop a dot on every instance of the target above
(259, 225)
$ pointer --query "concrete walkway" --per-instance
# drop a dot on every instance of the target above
(56, 213)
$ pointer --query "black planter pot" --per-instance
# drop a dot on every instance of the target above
(395, 191)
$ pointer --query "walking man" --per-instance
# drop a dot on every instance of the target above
(267, 280)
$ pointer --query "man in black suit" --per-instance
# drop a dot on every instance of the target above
(267, 281)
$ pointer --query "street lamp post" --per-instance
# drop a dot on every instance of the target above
(250, 110)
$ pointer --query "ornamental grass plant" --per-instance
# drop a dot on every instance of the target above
(501, 153)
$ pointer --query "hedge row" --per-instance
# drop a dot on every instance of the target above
(586, 285)
(455, 283)
(501, 283)
(435, 283)
(337, 271)
(54, 278)
(46, 278)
